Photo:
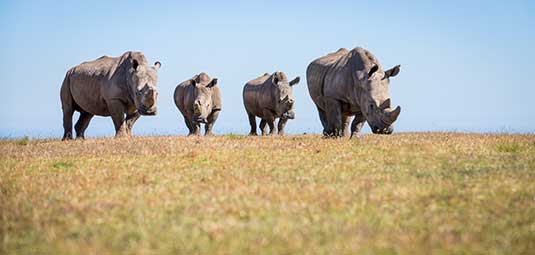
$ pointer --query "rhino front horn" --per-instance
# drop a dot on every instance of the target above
(393, 115)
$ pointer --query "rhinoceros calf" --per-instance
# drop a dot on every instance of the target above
(199, 101)
(346, 83)
(269, 97)
(121, 87)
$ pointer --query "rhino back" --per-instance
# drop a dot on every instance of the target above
(317, 71)
(257, 95)
(90, 82)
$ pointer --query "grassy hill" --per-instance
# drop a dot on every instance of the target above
(407, 193)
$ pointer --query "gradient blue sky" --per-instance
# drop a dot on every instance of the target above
(466, 66)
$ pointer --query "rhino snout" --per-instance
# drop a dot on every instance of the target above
(289, 115)
(383, 131)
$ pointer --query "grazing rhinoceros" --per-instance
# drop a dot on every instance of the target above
(199, 101)
(109, 86)
(269, 97)
(346, 83)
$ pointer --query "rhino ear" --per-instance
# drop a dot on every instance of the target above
(295, 81)
(157, 65)
(135, 64)
(373, 70)
(392, 72)
(212, 83)
(275, 79)
(193, 82)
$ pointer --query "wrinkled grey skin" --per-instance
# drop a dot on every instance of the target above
(352, 83)
(122, 87)
(269, 97)
(199, 101)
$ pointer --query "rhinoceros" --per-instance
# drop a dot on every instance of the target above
(269, 97)
(121, 87)
(199, 101)
(352, 83)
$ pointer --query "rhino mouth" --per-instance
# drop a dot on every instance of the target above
(288, 115)
(147, 111)
(382, 130)
(199, 119)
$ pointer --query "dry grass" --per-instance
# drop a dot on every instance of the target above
(418, 193)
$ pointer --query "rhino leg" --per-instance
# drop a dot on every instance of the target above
(82, 123)
(357, 124)
(210, 122)
(67, 123)
(130, 120)
(188, 124)
(334, 117)
(252, 122)
(345, 122)
(196, 126)
(116, 109)
(281, 125)
(263, 127)
(323, 119)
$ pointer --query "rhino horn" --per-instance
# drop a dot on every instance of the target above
(386, 104)
(392, 116)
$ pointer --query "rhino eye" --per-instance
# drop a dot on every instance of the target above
(371, 106)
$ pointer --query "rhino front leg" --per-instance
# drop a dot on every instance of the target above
(189, 125)
(82, 123)
(345, 125)
(130, 120)
(117, 112)
(281, 125)
(210, 122)
(270, 120)
(334, 117)
(357, 124)
(196, 127)
(252, 123)
(263, 127)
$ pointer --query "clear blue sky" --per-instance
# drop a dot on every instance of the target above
(466, 65)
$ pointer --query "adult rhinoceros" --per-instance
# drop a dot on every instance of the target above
(121, 87)
(199, 101)
(269, 97)
(346, 83)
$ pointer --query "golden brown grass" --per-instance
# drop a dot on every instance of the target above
(418, 193)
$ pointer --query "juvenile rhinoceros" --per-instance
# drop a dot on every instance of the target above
(269, 97)
(346, 83)
(109, 86)
(199, 101)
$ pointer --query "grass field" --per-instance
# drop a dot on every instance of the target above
(407, 193)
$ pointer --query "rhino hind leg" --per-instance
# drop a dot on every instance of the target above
(263, 126)
(252, 123)
(323, 119)
(334, 118)
(67, 123)
(82, 123)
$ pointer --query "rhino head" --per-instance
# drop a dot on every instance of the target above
(283, 96)
(203, 92)
(374, 98)
(142, 82)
